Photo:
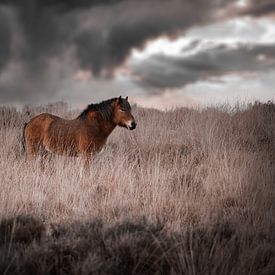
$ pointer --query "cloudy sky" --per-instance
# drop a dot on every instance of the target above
(161, 53)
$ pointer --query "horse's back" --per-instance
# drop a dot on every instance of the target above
(39, 125)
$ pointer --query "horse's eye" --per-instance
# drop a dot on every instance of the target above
(122, 110)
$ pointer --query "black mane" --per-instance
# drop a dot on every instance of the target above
(104, 107)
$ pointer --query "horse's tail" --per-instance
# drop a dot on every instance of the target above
(23, 140)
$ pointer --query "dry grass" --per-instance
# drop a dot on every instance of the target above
(188, 191)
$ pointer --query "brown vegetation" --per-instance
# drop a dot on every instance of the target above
(188, 192)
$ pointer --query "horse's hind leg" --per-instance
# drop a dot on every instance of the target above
(32, 148)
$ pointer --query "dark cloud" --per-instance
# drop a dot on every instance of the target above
(47, 28)
(35, 36)
(259, 8)
(102, 32)
(129, 25)
(161, 72)
(97, 35)
(62, 5)
(5, 38)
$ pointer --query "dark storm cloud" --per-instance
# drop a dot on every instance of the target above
(62, 5)
(5, 38)
(160, 71)
(47, 28)
(129, 25)
(102, 32)
(259, 7)
(33, 34)
(97, 35)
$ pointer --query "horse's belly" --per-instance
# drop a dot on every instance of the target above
(62, 147)
(72, 145)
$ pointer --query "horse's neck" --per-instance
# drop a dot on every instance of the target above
(103, 127)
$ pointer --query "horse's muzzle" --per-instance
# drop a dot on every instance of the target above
(133, 125)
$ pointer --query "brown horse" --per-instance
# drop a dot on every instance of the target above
(80, 136)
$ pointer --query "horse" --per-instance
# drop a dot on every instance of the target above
(82, 136)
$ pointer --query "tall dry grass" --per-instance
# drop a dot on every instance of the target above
(189, 191)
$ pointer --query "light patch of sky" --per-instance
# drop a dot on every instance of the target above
(168, 100)
(232, 89)
(239, 30)
(241, 3)
(162, 46)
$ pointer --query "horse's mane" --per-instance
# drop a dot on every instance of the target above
(104, 107)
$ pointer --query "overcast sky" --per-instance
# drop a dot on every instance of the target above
(160, 53)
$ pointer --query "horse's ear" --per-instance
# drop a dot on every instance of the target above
(120, 99)
(126, 97)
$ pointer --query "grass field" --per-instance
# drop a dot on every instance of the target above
(188, 192)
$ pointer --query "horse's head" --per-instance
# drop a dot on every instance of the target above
(122, 114)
